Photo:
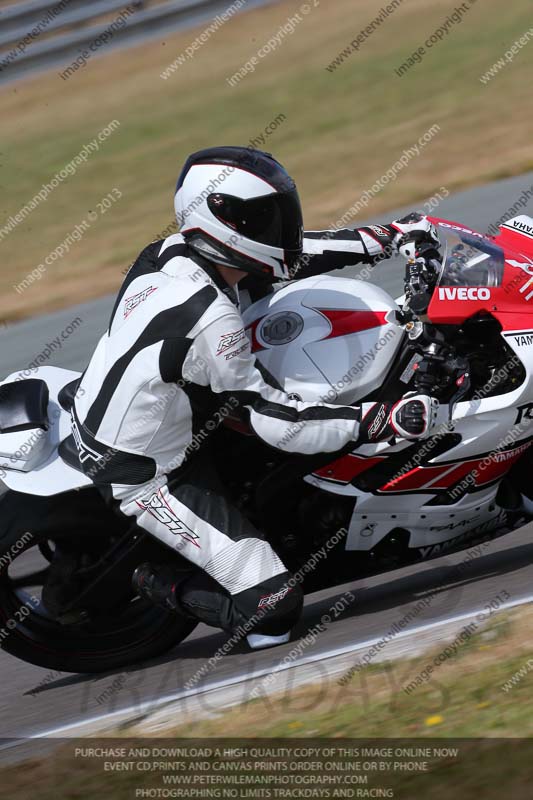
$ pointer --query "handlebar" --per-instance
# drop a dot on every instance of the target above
(440, 365)
(421, 275)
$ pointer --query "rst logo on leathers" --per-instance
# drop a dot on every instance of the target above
(380, 231)
(157, 506)
(227, 340)
(269, 600)
(84, 452)
(131, 303)
(378, 423)
(462, 293)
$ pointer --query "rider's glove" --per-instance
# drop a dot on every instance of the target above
(412, 417)
(404, 236)
(414, 229)
(415, 416)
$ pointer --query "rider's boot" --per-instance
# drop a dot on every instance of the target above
(158, 583)
(200, 597)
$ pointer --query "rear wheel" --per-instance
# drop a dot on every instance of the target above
(131, 632)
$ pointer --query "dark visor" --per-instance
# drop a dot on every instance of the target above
(274, 219)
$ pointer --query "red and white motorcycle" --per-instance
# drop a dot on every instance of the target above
(463, 333)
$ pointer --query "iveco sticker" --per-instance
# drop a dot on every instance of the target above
(462, 293)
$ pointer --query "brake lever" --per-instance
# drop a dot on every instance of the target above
(464, 384)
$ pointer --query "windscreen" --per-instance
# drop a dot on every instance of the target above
(470, 260)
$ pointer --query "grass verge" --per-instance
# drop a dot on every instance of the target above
(482, 692)
(337, 131)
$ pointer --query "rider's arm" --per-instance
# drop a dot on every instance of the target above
(220, 358)
(324, 251)
(327, 250)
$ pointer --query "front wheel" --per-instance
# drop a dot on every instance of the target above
(132, 632)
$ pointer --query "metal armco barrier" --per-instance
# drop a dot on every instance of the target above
(67, 27)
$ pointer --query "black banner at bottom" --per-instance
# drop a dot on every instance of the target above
(157, 768)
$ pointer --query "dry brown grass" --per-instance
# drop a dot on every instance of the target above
(342, 129)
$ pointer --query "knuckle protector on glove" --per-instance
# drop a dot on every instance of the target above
(414, 417)
(415, 228)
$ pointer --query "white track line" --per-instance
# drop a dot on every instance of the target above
(154, 704)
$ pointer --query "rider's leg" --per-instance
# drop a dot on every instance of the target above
(245, 585)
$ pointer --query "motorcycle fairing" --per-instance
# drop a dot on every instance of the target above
(410, 500)
(49, 475)
(485, 275)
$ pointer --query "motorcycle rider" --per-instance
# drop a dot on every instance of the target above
(176, 352)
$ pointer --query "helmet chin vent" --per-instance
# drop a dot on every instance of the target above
(219, 253)
(209, 249)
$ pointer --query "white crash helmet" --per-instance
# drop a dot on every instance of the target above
(238, 207)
